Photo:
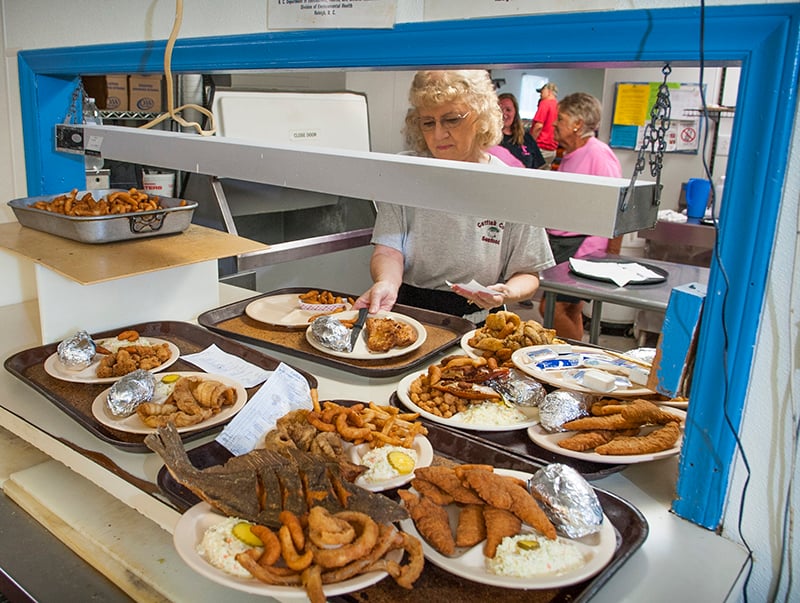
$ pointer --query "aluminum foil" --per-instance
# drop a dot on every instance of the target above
(130, 391)
(568, 500)
(518, 388)
(77, 352)
(561, 406)
(642, 354)
(331, 333)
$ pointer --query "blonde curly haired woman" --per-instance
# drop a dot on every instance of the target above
(454, 115)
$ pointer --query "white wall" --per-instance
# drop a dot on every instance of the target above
(771, 399)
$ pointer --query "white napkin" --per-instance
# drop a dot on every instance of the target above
(620, 273)
(473, 287)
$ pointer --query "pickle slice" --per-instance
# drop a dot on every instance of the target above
(528, 545)
(171, 378)
(242, 531)
(401, 462)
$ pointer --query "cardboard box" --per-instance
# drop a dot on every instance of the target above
(110, 92)
(145, 93)
(672, 366)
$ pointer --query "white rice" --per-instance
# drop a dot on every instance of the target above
(490, 413)
(551, 557)
(219, 547)
(380, 470)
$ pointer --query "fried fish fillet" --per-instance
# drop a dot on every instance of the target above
(383, 334)
(445, 479)
(499, 524)
(471, 527)
(586, 440)
(508, 494)
(616, 421)
(644, 411)
(431, 520)
(432, 491)
(656, 441)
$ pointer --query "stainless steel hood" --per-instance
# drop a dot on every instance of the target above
(588, 204)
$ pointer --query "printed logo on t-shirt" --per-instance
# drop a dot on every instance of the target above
(491, 231)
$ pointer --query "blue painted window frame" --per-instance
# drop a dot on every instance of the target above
(763, 39)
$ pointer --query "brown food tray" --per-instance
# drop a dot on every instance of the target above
(435, 584)
(443, 331)
(75, 399)
(517, 443)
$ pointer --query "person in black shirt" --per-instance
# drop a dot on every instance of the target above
(519, 142)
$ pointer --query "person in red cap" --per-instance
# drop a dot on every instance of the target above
(542, 127)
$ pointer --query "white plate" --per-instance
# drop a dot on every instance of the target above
(682, 404)
(560, 378)
(549, 441)
(360, 350)
(470, 563)
(402, 393)
(468, 349)
(133, 424)
(54, 367)
(422, 446)
(189, 532)
(281, 310)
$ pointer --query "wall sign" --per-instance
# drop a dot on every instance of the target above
(633, 102)
(330, 14)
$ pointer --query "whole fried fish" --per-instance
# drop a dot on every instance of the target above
(258, 485)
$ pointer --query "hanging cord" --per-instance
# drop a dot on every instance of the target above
(654, 141)
(172, 112)
(724, 300)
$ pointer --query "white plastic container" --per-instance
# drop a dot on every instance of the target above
(162, 185)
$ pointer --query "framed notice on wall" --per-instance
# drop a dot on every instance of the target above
(633, 102)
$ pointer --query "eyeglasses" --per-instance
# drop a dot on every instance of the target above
(448, 122)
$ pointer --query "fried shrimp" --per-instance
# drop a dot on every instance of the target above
(272, 546)
(294, 559)
(267, 574)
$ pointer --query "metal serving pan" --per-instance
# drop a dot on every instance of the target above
(172, 219)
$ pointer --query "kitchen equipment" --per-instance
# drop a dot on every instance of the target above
(357, 326)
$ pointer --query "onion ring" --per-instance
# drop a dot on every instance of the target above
(326, 531)
(367, 531)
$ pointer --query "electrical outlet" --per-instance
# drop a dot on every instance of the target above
(724, 146)
(69, 139)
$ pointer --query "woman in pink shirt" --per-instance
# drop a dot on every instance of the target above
(574, 129)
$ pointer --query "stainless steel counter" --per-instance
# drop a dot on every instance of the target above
(559, 279)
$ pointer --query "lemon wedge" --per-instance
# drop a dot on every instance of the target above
(242, 531)
(171, 378)
(400, 462)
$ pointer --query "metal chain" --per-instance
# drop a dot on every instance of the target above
(654, 140)
(75, 112)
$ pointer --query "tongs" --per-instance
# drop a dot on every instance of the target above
(357, 326)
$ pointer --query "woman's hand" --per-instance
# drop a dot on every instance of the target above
(484, 300)
(521, 285)
(380, 297)
(386, 268)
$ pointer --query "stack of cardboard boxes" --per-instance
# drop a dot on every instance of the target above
(139, 93)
